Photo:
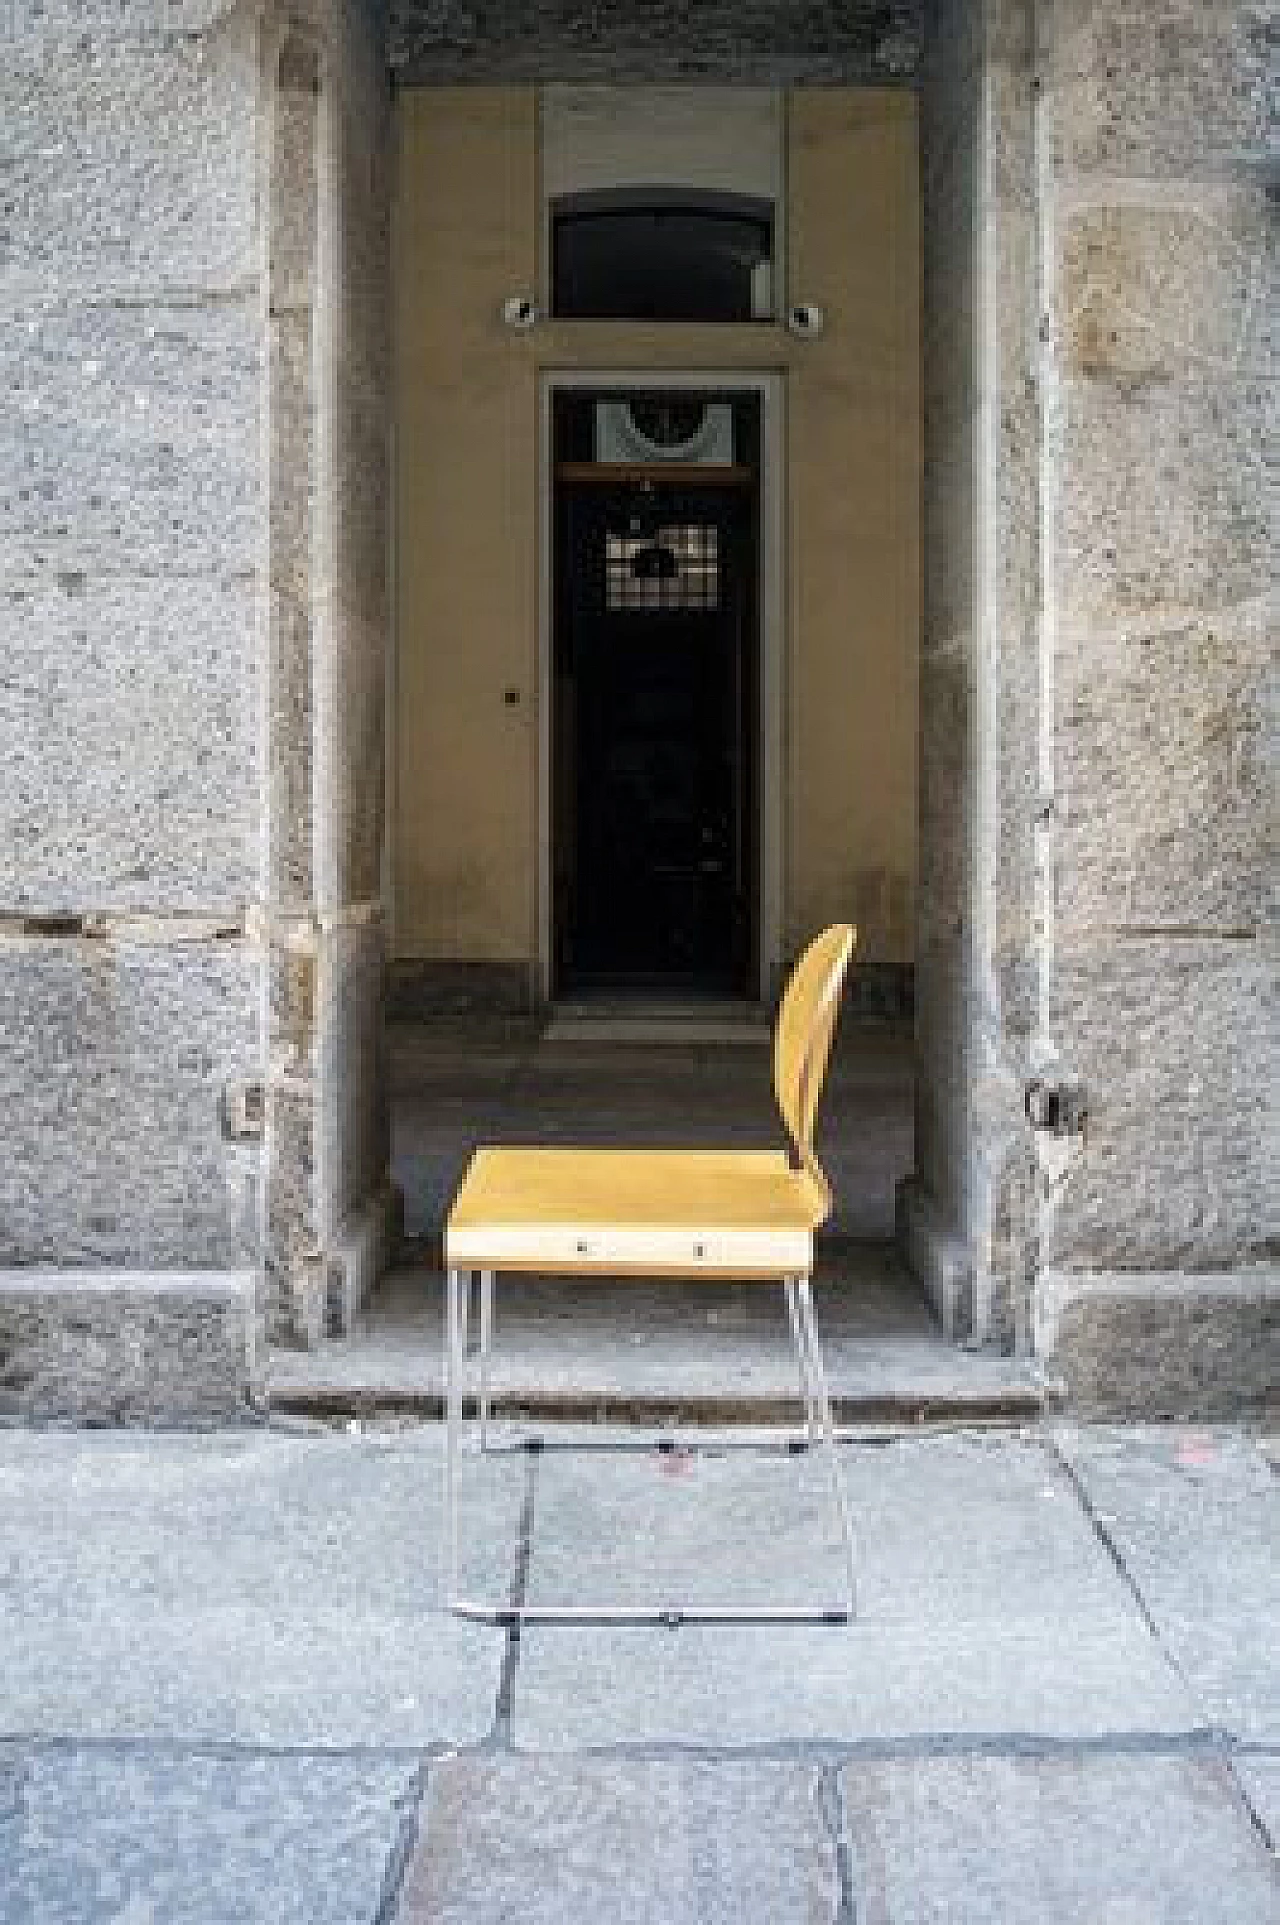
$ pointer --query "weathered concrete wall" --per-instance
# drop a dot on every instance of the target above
(761, 42)
(935, 1204)
(1160, 275)
(1162, 1343)
(118, 1052)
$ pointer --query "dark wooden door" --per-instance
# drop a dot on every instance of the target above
(655, 651)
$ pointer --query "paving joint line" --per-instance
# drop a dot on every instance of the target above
(1201, 1741)
(224, 1750)
(843, 1753)
(835, 1816)
(499, 1738)
(1258, 1823)
(406, 1843)
(1098, 1525)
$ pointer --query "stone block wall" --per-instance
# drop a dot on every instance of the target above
(130, 376)
(193, 605)
(967, 1214)
(1097, 893)
(747, 42)
(192, 638)
(328, 1214)
(1160, 279)
(354, 1124)
(952, 189)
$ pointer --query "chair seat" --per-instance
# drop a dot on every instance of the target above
(686, 1213)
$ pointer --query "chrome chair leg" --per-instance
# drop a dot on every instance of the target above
(466, 1286)
(456, 1290)
(817, 1415)
(806, 1376)
(486, 1341)
(804, 1298)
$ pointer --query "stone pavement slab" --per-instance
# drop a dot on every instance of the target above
(247, 1587)
(126, 1837)
(987, 1605)
(686, 1527)
(628, 1841)
(1194, 1514)
(951, 1527)
(1125, 1840)
(743, 1686)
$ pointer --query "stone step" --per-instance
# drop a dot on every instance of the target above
(654, 1353)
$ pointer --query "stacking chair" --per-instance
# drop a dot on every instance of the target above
(747, 1215)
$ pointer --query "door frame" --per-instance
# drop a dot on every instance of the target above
(768, 388)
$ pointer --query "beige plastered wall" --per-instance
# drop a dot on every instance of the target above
(468, 526)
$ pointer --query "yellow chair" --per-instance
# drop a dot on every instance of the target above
(749, 1215)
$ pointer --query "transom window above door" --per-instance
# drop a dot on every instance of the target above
(662, 254)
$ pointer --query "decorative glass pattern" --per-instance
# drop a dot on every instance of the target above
(672, 568)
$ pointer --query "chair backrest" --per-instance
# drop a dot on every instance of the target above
(802, 1044)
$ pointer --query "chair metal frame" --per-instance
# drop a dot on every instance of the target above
(803, 1038)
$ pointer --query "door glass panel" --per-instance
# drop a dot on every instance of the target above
(670, 568)
(662, 258)
(656, 700)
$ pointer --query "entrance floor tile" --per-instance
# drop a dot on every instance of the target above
(583, 1689)
(456, 1084)
(952, 1528)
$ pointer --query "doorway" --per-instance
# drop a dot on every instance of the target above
(656, 691)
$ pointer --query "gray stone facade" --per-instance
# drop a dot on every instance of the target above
(1158, 275)
(133, 1347)
(192, 579)
(751, 42)
(193, 540)
(1097, 902)
(968, 1218)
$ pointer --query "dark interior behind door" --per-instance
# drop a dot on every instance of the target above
(654, 730)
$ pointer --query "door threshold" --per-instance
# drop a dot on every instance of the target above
(605, 1017)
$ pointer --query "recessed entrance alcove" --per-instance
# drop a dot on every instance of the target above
(661, 682)
(654, 703)
(542, 523)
